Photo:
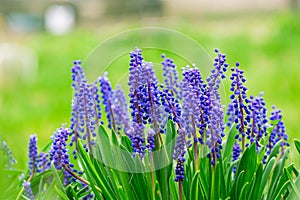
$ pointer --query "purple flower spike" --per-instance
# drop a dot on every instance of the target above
(150, 140)
(138, 140)
(194, 98)
(258, 126)
(85, 108)
(59, 151)
(107, 94)
(27, 190)
(238, 112)
(170, 74)
(8, 154)
(59, 154)
(178, 154)
(278, 133)
(120, 110)
(33, 154)
(43, 161)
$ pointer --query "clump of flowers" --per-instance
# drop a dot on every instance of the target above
(185, 119)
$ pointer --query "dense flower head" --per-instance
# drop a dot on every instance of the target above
(8, 154)
(217, 73)
(236, 151)
(27, 190)
(278, 133)
(138, 139)
(43, 162)
(149, 99)
(238, 111)
(85, 107)
(170, 74)
(215, 129)
(179, 170)
(150, 140)
(33, 154)
(178, 154)
(59, 154)
(194, 102)
(107, 94)
(59, 151)
(180, 146)
(171, 106)
(258, 126)
(135, 70)
(120, 110)
(97, 103)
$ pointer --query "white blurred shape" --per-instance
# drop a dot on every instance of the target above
(59, 19)
(17, 61)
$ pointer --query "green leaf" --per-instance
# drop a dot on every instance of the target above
(293, 194)
(173, 188)
(194, 187)
(61, 193)
(282, 190)
(227, 152)
(275, 177)
(92, 174)
(57, 179)
(254, 192)
(248, 164)
(265, 177)
(295, 189)
(243, 191)
(297, 145)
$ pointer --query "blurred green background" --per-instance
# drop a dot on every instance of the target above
(267, 44)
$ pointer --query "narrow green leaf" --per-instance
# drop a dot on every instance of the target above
(57, 179)
(297, 145)
(40, 190)
(61, 193)
(265, 177)
(173, 188)
(282, 190)
(248, 164)
(227, 152)
(254, 192)
(194, 186)
(296, 190)
(243, 191)
(292, 194)
(276, 174)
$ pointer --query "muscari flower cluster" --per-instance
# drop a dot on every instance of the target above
(8, 154)
(86, 109)
(250, 117)
(194, 105)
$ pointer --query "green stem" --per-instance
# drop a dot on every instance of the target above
(180, 189)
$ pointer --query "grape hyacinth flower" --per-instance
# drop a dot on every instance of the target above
(84, 108)
(8, 154)
(215, 124)
(43, 162)
(170, 74)
(120, 110)
(150, 140)
(278, 133)
(27, 190)
(59, 154)
(238, 112)
(33, 155)
(138, 140)
(107, 95)
(258, 126)
(194, 100)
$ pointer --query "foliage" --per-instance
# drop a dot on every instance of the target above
(193, 160)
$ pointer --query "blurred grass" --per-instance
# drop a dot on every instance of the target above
(268, 47)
